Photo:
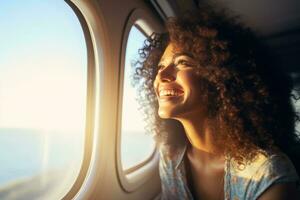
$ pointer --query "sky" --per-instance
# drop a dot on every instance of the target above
(43, 66)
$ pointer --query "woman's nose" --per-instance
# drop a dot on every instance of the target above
(167, 74)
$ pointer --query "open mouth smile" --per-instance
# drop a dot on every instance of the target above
(165, 93)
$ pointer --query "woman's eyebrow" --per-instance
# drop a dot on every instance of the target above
(182, 54)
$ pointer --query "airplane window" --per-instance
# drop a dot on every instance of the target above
(136, 145)
(43, 75)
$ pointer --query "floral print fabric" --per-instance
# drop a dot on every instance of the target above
(247, 183)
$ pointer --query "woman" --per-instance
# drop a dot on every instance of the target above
(220, 107)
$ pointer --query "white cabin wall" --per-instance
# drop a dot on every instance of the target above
(114, 15)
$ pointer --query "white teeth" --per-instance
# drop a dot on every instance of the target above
(169, 93)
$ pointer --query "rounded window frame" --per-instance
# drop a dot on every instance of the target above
(96, 47)
(133, 177)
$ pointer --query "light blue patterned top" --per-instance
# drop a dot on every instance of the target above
(246, 184)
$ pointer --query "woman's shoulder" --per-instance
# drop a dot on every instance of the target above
(265, 164)
(267, 169)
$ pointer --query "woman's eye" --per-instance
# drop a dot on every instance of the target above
(183, 63)
(179, 63)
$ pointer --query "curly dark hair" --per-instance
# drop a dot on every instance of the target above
(247, 93)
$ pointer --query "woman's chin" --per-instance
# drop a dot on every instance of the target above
(165, 114)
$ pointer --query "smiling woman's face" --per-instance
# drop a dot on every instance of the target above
(177, 86)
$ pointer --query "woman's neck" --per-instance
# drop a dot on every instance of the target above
(201, 142)
(199, 135)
